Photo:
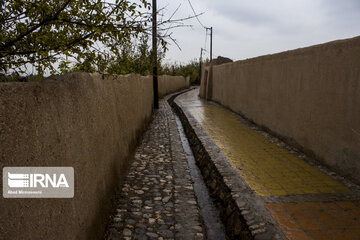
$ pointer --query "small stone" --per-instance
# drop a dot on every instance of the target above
(167, 233)
(197, 228)
(261, 230)
(240, 203)
(166, 199)
(245, 212)
(152, 220)
(151, 234)
(140, 225)
(127, 232)
(169, 205)
(130, 221)
(129, 226)
(160, 221)
(137, 202)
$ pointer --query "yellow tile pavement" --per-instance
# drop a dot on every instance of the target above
(318, 220)
(267, 168)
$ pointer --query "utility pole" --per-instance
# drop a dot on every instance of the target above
(154, 49)
(200, 72)
(211, 42)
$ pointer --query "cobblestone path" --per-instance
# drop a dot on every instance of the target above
(157, 199)
(305, 200)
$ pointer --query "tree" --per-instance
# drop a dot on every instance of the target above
(80, 35)
(133, 57)
(191, 70)
(40, 32)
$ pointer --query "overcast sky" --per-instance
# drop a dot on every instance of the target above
(249, 28)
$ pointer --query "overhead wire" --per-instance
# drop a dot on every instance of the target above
(197, 18)
(196, 15)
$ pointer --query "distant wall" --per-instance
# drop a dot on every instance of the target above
(170, 84)
(310, 96)
(79, 120)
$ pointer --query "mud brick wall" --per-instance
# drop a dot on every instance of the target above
(169, 84)
(310, 97)
(85, 121)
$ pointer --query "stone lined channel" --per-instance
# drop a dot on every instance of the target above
(224, 184)
(210, 214)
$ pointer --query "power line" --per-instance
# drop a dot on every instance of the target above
(206, 28)
(196, 15)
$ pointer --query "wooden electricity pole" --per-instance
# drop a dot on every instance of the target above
(211, 41)
(200, 63)
(154, 49)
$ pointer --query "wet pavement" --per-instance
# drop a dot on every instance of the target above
(306, 200)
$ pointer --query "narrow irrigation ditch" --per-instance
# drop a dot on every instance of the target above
(229, 209)
(211, 216)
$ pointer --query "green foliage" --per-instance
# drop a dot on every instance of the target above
(10, 77)
(132, 57)
(191, 70)
(40, 32)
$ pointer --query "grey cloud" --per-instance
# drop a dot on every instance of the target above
(243, 13)
(244, 28)
(245, 16)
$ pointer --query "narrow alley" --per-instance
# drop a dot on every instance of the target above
(280, 193)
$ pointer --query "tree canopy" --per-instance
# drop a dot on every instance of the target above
(43, 31)
(132, 57)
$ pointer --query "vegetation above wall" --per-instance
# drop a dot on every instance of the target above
(42, 32)
(55, 36)
(132, 57)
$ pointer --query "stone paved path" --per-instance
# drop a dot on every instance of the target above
(157, 199)
(304, 199)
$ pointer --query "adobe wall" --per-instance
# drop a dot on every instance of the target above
(169, 84)
(309, 96)
(80, 120)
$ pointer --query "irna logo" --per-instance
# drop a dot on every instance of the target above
(38, 182)
(16, 180)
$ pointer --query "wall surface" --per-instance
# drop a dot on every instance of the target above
(80, 120)
(170, 84)
(309, 96)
